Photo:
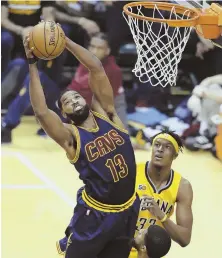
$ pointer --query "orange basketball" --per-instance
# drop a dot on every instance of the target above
(48, 40)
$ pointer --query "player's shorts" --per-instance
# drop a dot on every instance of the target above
(97, 234)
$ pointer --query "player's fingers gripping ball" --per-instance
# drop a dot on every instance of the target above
(48, 40)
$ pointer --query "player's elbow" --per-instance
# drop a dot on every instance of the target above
(184, 242)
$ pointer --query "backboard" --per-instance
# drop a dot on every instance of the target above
(192, 3)
(200, 4)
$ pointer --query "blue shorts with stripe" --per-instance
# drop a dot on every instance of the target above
(98, 234)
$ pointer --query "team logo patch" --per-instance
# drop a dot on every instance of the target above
(142, 187)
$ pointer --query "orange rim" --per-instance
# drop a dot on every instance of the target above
(190, 22)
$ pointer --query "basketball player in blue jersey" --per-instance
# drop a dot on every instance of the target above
(99, 147)
(160, 189)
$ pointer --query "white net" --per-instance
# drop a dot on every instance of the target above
(159, 46)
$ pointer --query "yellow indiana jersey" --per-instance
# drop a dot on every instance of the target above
(165, 197)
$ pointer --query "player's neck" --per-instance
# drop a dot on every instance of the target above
(89, 123)
(158, 174)
(141, 254)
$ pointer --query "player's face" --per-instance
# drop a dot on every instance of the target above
(99, 48)
(163, 152)
(139, 243)
(139, 239)
(75, 107)
(72, 102)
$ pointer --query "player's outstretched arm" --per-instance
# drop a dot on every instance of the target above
(98, 80)
(181, 232)
(49, 120)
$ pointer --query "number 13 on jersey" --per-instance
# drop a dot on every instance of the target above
(118, 167)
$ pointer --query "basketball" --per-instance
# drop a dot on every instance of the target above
(48, 40)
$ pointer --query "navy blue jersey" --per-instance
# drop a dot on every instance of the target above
(105, 161)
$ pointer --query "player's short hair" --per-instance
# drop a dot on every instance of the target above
(177, 138)
(157, 242)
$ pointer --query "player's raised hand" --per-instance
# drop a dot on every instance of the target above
(28, 51)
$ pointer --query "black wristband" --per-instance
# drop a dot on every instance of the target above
(32, 60)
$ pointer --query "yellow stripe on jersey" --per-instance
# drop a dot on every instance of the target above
(59, 249)
(107, 207)
(165, 197)
(94, 130)
(78, 143)
(110, 122)
(24, 7)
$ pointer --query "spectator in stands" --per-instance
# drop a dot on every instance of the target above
(217, 150)
(22, 102)
(201, 57)
(99, 46)
(72, 16)
(71, 12)
(107, 15)
(17, 19)
(205, 103)
(212, 56)
(50, 73)
(76, 28)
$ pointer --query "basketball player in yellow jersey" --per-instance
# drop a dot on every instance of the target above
(160, 188)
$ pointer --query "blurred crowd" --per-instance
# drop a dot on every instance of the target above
(193, 108)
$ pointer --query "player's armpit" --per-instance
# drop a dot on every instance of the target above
(181, 232)
(54, 127)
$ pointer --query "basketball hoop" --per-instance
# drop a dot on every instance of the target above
(161, 30)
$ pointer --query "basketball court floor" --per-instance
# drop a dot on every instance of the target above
(39, 192)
